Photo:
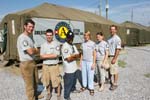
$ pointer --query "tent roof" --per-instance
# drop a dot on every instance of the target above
(148, 28)
(47, 10)
(134, 25)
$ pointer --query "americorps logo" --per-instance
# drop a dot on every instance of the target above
(61, 30)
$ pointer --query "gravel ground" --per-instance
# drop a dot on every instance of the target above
(133, 83)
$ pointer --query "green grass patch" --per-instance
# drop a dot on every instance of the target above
(122, 64)
(147, 75)
(147, 44)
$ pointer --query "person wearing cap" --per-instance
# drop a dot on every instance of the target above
(50, 52)
(114, 43)
(87, 63)
(69, 56)
(101, 59)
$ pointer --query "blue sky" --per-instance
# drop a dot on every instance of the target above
(119, 10)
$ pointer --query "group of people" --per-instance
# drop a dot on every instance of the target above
(98, 58)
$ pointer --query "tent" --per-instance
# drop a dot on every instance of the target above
(14, 23)
(136, 33)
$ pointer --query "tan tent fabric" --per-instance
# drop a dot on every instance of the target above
(93, 22)
(148, 28)
(139, 34)
(11, 51)
(59, 12)
(134, 25)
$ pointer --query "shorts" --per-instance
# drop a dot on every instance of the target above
(51, 74)
(113, 67)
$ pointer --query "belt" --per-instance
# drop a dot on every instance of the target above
(27, 61)
(51, 64)
(111, 56)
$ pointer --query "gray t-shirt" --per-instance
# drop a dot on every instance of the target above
(101, 48)
(114, 43)
(67, 50)
(25, 42)
(50, 48)
(88, 49)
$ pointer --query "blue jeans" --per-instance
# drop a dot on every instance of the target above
(78, 76)
(69, 82)
(87, 75)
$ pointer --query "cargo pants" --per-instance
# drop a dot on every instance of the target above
(30, 76)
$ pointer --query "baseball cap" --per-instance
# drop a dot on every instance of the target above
(70, 34)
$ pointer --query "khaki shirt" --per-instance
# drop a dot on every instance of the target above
(25, 42)
(114, 43)
(101, 48)
(50, 48)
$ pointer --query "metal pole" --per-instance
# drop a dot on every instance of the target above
(107, 7)
(100, 7)
(132, 15)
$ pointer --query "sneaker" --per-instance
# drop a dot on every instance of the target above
(113, 87)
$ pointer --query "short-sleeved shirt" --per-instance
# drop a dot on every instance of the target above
(67, 50)
(88, 49)
(114, 43)
(50, 48)
(25, 42)
(101, 47)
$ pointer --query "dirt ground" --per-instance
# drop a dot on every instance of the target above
(134, 79)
